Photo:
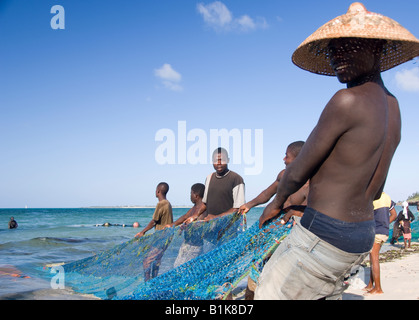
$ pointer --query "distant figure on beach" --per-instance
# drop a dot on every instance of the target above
(404, 218)
(297, 200)
(162, 216)
(194, 244)
(346, 157)
(224, 189)
(12, 223)
(384, 214)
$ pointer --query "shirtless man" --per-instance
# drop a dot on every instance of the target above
(346, 158)
(295, 200)
(294, 205)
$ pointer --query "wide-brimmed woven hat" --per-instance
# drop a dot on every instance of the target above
(401, 46)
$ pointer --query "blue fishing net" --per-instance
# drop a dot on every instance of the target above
(119, 271)
(203, 260)
(215, 274)
(415, 229)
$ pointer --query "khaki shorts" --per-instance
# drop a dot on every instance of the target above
(304, 267)
(380, 238)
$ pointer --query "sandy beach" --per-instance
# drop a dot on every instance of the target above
(399, 275)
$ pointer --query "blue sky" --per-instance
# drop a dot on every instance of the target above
(80, 107)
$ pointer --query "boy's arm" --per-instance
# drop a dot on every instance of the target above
(153, 222)
(150, 225)
(181, 219)
(199, 210)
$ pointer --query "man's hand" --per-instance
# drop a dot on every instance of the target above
(189, 220)
(244, 208)
(139, 234)
(271, 211)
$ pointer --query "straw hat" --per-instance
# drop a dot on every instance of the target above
(401, 46)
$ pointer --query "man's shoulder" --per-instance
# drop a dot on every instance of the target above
(344, 98)
(236, 176)
(280, 175)
(349, 107)
(383, 202)
(350, 97)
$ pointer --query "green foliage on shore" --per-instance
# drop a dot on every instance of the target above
(413, 197)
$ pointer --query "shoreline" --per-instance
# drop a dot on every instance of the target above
(399, 272)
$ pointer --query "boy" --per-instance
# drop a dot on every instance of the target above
(163, 214)
(193, 244)
(197, 193)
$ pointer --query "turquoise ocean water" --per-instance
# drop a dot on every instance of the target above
(46, 236)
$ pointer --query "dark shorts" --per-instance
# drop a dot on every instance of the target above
(353, 237)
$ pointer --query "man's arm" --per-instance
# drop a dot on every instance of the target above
(263, 197)
(393, 215)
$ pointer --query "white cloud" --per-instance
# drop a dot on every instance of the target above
(408, 80)
(170, 78)
(246, 22)
(215, 14)
(220, 18)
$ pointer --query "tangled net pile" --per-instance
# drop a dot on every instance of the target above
(118, 271)
(215, 274)
(229, 254)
